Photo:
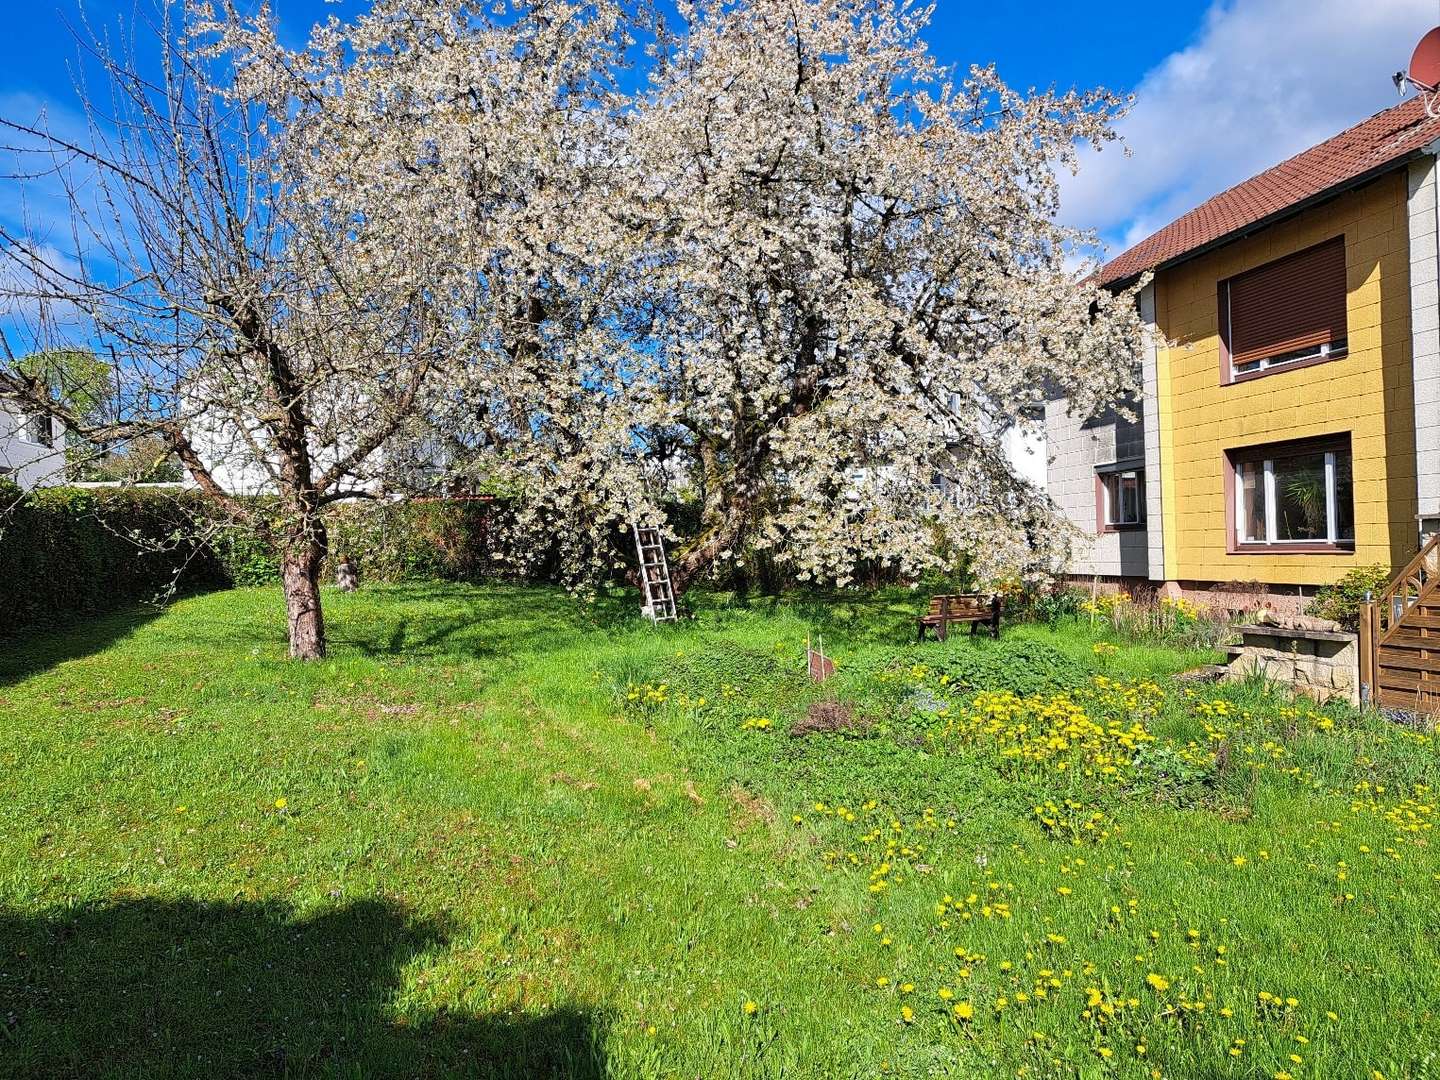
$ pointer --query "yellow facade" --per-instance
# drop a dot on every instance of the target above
(1368, 393)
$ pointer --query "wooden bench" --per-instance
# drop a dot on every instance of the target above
(969, 608)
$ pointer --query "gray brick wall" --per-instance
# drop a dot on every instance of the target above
(1076, 447)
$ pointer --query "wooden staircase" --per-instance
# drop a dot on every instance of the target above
(654, 573)
(1400, 638)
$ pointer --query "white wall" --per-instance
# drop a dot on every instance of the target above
(1424, 213)
(26, 462)
(1025, 447)
(238, 463)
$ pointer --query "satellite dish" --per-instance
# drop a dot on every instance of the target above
(1424, 71)
(1425, 61)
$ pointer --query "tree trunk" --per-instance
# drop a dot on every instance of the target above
(692, 563)
(300, 571)
(724, 522)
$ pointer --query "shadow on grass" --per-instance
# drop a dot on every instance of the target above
(856, 618)
(34, 650)
(486, 622)
(152, 988)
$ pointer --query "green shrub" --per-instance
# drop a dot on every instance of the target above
(66, 552)
(416, 540)
(1020, 665)
(1060, 603)
(1341, 601)
(245, 557)
(425, 539)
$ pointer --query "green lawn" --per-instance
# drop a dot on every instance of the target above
(500, 833)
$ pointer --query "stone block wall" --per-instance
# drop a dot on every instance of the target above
(1320, 664)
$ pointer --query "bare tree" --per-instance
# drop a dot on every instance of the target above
(497, 126)
(228, 295)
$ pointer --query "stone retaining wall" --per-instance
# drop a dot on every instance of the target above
(1320, 663)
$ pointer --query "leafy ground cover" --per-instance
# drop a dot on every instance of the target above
(498, 835)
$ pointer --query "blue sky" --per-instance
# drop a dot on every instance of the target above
(1225, 89)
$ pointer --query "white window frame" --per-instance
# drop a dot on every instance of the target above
(1329, 350)
(1271, 527)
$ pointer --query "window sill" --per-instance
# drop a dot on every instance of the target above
(1138, 526)
(1294, 365)
(1291, 549)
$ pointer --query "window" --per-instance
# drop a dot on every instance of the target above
(1287, 313)
(1122, 499)
(1294, 497)
(35, 428)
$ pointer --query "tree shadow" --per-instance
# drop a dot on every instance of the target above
(488, 622)
(853, 617)
(34, 650)
(177, 988)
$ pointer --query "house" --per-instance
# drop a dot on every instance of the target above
(32, 448)
(1289, 425)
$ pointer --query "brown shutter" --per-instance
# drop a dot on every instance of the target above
(1297, 302)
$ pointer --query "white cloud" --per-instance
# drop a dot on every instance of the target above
(28, 318)
(1263, 80)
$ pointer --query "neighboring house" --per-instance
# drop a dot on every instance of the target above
(238, 454)
(1289, 427)
(32, 448)
(1025, 447)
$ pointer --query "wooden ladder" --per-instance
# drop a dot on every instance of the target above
(654, 573)
(1400, 637)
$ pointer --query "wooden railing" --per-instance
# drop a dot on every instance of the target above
(1419, 578)
(1400, 638)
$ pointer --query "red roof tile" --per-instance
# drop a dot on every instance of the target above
(1372, 146)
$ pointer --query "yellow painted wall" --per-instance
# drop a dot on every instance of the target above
(1368, 393)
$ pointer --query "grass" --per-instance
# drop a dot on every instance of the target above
(498, 834)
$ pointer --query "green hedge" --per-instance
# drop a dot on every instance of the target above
(69, 552)
(419, 540)
(66, 552)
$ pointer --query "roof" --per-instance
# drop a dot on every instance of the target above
(1372, 147)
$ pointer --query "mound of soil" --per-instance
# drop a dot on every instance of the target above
(828, 718)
